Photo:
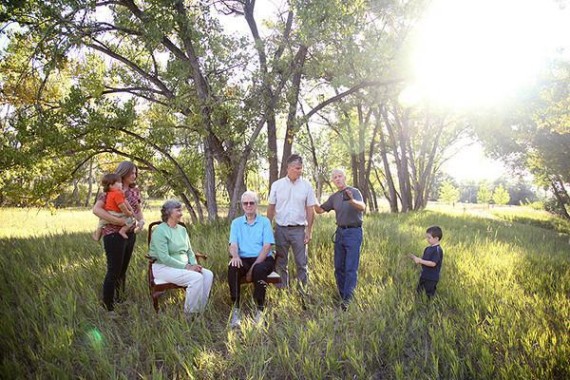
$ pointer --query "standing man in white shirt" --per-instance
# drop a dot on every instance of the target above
(291, 203)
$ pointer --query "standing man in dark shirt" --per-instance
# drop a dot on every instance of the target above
(431, 261)
(349, 209)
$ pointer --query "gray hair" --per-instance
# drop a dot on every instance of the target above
(294, 159)
(339, 171)
(167, 208)
(251, 194)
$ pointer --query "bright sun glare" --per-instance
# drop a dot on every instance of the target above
(470, 53)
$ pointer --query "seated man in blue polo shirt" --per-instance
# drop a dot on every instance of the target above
(251, 237)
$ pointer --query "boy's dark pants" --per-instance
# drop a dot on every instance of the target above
(428, 285)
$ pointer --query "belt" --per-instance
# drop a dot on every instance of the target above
(345, 227)
(293, 226)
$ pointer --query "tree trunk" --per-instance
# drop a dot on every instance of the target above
(362, 172)
(210, 181)
(272, 148)
(387, 170)
(561, 196)
(373, 203)
(402, 164)
(75, 194)
(89, 184)
(391, 196)
(292, 125)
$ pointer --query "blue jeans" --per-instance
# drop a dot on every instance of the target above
(346, 260)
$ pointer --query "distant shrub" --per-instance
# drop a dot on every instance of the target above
(537, 205)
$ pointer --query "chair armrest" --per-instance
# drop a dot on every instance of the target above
(200, 256)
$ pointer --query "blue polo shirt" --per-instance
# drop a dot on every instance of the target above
(251, 238)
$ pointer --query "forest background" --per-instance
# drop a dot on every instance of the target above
(208, 97)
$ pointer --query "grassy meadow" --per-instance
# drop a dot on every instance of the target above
(502, 310)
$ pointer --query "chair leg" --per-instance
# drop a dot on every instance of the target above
(155, 301)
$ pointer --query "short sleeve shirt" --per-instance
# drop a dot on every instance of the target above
(346, 214)
(133, 197)
(290, 200)
(432, 253)
(250, 238)
(114, 199)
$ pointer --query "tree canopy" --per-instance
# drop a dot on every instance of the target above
(208, 96)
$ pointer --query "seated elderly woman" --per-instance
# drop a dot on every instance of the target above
(176, 262)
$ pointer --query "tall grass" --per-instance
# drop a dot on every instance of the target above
(502, 309)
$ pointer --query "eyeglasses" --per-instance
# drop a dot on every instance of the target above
(248, 203)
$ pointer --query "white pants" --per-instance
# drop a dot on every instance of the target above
(197, 284)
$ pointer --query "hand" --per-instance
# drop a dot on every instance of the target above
(195, 268)
(236, 262)
(415, 258)
(348, 193)
(308, 237)
(140, 226)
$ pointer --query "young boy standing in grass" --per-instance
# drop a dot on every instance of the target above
(431, 261)
(116, 205)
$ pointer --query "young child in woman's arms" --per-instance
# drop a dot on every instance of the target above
(116, 205)
(431, 262)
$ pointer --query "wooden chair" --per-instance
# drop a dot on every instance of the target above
(159, 287)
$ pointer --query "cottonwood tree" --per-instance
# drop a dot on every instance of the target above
(448, 193)
(531, 132)
(170, 54)
(484, 194)
(501, 196)
(175, 57)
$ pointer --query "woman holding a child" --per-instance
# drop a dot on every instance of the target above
(118, 249)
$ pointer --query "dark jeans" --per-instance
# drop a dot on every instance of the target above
(347, 245)
(428, 285)
(259, 277)
(118, 251)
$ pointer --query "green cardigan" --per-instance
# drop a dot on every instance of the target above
(171, 246)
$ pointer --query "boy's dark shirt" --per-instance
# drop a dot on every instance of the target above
(432, 253)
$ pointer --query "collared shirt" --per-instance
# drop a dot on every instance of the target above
(250, 238)
(346, 214)
(290, 199)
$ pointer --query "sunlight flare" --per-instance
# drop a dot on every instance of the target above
(479, 52)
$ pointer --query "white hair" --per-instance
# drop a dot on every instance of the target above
(338, 171)
(251, 194)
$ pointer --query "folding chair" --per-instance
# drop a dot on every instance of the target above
(159, 287)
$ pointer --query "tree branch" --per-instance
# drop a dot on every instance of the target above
(153, 79)
(352, 90)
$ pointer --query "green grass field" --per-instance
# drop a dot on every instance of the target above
(502, 309)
